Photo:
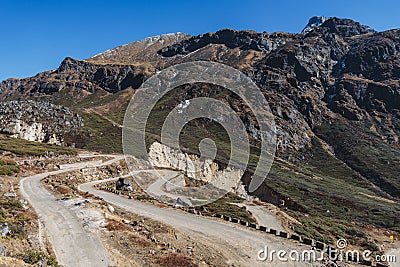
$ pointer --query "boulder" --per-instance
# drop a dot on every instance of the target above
(182, 201)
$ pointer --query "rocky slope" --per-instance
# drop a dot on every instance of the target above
(140, 51)
(333, 88)
(37, 121)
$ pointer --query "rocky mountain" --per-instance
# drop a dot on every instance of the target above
(140, 51)
(334, 89)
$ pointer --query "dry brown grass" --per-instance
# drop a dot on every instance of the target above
(175, 259)
(114, 225)
(63, 189)
(139, 240)
(7, 261)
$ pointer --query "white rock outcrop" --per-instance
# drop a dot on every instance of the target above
(31, 132)
(194, 167)
(37, 121)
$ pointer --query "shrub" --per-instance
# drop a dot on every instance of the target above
(32, 256)
(11, 204)
(356, 232)
(52, 262)
(2, 216)
(369, 245)
(17, 230)
(8, 169)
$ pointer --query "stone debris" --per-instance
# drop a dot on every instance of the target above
(37, 121)
(10, 194)
(4, 230)
(181, 201)
(24, 203)
(90, 218)
(110, 208)
(3, 251)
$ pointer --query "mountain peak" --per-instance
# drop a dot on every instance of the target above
(138, 50)
(313, 22)
(343, 27)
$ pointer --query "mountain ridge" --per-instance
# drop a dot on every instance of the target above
(324, 57)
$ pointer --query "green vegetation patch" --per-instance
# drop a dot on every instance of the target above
(227, 207)
(100, 134)
(365, 153)
(8, 167)
(328, 198)
(34, 257)
(24, 147)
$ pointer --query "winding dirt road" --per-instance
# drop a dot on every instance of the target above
(75, 246)
(72, 244)
(239, 244)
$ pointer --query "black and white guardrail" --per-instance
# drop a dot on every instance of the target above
(305, 240)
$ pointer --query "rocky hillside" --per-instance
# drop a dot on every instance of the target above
(140, 51)
(333, 88)
(37, 121)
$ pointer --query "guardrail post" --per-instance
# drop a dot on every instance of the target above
(227, 218)
(320, 245)
(253, 225)
(367, 262)
(308, 241)
(244, 223)
(262, 228)
(235, 220)
(379, 264)
(283, 234)
(296, 237)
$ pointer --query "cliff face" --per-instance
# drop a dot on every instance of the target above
(204, 170)
(76, 76)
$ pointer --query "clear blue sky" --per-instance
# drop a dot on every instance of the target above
(37, 35)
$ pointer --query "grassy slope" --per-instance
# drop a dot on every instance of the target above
(365, 153)
(23, 147)
(336, 199)
(99, 133)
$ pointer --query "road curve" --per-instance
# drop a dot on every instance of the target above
(72, 244)
(239, 243)
(263, 216)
